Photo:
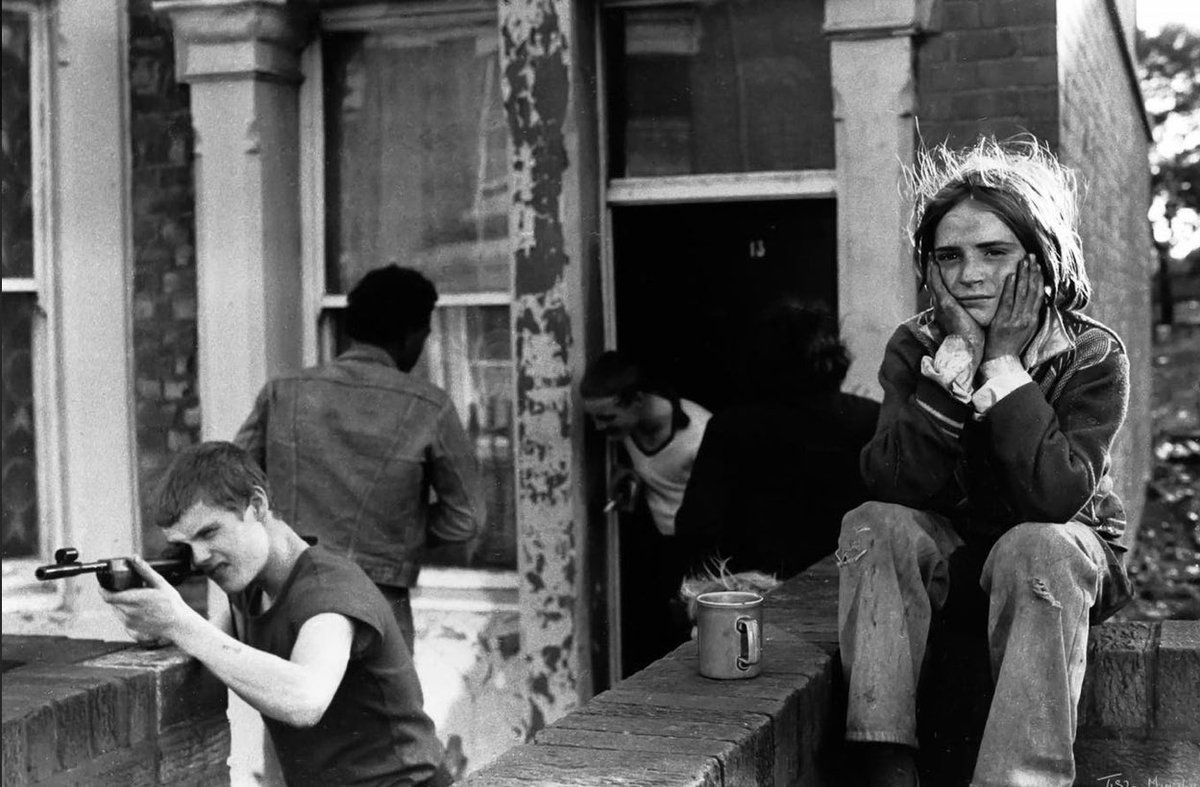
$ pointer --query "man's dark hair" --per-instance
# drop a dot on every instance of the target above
(794, 348)
(216, 473)
(389, 304)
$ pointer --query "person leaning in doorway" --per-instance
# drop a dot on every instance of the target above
(354, 446)
(660, 433)
(989, 471)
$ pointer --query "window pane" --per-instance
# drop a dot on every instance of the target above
(16, 191)
(720, 86)
(20, 518)
(418, 171)
(469, 354)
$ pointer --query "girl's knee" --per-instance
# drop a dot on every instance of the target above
(1031, 544)
(1041, 554)
(872, 525)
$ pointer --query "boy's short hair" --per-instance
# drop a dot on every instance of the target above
(614, 375)
(216, 473)
(389, 304)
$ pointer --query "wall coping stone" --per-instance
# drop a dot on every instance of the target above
(668, 726)
(93, 711)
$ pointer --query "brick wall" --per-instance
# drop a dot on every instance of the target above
(1139, 723)
(164, 287)
(90, 712)
(1138, 718)
(1102, 136)
(990, 69)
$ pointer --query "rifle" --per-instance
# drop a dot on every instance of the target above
(115, 574)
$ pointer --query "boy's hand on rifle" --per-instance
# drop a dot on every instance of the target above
(151, 614)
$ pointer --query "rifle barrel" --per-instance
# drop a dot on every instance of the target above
(70, 570)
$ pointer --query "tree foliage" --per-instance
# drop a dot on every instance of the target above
(1170, 77)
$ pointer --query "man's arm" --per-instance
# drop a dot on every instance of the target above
(296, 691)
(459, 512)
(917, 442)
(252, 436)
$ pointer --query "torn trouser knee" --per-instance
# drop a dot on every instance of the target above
(852, 548)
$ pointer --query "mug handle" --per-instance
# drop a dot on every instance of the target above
(751, 648)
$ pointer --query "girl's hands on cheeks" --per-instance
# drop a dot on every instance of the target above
(1019, 312)
(950, 314)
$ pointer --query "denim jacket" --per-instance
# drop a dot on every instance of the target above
(352, 450)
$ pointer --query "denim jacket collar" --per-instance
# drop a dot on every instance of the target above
(362, 352)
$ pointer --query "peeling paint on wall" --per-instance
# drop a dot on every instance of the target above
(536, 89)
(472, 676)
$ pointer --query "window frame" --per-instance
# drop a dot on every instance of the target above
(19, 586)
(444, 588)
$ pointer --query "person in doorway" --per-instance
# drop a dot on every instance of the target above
(353, 447)
(307, 639)
(660, 433)
(775, 475)
(989, 471)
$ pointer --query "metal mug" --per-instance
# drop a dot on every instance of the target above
(729, 634)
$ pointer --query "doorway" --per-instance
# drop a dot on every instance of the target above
(690, 278)
(688, 281)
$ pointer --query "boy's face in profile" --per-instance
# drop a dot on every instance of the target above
(231, 550)
(616, 419)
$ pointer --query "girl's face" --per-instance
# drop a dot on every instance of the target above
(975, 251)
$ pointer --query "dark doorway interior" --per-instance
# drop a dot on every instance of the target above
(689, 280)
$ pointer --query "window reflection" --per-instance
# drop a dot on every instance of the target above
(419, 168)
(19, 528)
(720, 86)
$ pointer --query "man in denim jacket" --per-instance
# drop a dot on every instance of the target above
(353, 447)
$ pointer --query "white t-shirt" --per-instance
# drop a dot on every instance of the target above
(665, 472)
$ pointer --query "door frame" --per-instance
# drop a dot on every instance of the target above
(664, 190)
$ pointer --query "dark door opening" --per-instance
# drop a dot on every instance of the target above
(689, 279)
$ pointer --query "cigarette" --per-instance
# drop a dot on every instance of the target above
(609, 506)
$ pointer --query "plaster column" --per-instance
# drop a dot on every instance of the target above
(241, 61)
(97, 449)
(871, 54)
(542, 100)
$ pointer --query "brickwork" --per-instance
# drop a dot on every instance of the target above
(164, 285)
(990, 68)
(666, 725)
(1103, 137)
(86, 712)
(1138, 717)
